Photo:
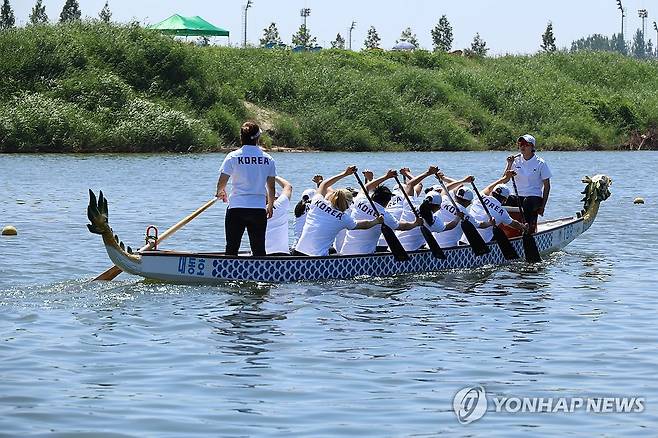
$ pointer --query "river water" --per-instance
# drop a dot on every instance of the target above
(368, 357)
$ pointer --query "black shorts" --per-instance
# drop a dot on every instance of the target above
(531, 206)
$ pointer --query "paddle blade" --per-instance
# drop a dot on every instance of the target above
(109, 275)
(394, 244)
(505, 245)
(478, 245)
(433, 245)
(530, 249)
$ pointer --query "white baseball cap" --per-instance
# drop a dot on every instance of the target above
(502, 190)
(434, 197)
(527, 138)
(308, 193)
(464, 193)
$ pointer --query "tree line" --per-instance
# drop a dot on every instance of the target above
(70, 12)
(442, 35)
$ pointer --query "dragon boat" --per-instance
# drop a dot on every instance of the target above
(217, 268)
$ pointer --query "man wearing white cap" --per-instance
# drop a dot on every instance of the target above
(533, 180)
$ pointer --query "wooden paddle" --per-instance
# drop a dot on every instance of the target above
(111, 273)
(501, 238)
(477, 243)
(392, 240)
(529, 244)
(436, 250)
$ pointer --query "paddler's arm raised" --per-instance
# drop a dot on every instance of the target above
(325, 185)
(409, 188)
(372, 185)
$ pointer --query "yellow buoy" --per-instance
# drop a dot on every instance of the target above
(638, 201)
(9, 231)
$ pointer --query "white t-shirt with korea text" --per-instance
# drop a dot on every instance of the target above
(413, 239)
(323, 222)
(395, 207)
(451, 237)
(500, 215)
(277, 234)
(249, 167)
(530, 175)
(365, 241)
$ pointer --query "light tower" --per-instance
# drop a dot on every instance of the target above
(643, 14)
(305, 12)
(623, 15)
(353, 25)
(244, 22)
(655, 26)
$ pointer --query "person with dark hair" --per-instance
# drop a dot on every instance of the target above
(429, 211)
(533, 180)
(365, 241)
(301, 209)
(494, 197)
(327, 216)
(463, 197)
(251, 201)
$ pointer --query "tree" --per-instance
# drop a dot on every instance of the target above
(478, 47)
(596, 42)
(70, 11)
(372, 39)
(548, 39)
(38, 15)
(408, 36)
(7, 18)
(303, 38)
(618, 44)
(649, 48)
(271, 36)
(105, 15)
(639, 47)
(442, 35)
(338, 43)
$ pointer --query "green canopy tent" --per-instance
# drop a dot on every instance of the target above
(188, 26)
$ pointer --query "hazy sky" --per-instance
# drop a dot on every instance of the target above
(508, 26)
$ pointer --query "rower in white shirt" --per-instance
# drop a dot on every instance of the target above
(365, 241)
(277, 235)
(327, 216)
(432, 219)
(494, 197)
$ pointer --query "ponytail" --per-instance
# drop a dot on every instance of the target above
(340, 199)
(425, 211)
(300, 208)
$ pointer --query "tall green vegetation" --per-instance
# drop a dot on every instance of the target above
(478, 47)
(548, 39)
(372, 39)
(105, 15)
(442, 35)
(339, 42)
(7, 19)
(92, 86)
(38, 14)
(408, 36)
(303, 38)
(271, 37)
(70, 11)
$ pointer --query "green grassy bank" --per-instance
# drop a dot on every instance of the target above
(93, 87)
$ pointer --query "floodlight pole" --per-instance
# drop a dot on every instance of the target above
(643, 14)
(623, 15)
(351, 29)
(305, 12)
(246, 7)
(655, 26)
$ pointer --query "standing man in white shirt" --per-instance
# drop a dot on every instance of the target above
(533, 180)
(251, 201)
(277, 235)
